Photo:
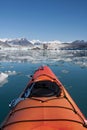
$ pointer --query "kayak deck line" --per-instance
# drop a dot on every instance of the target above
(62, 107)
(40, 107)
(44, 101)
(48, 120)
(48, 107)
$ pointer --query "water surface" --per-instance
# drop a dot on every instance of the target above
(70, 69)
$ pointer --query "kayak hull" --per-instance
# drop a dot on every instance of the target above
(58, 112)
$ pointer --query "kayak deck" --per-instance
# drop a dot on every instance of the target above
(45, 104)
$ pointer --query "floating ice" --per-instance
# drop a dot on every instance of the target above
(3, 78)
(10, 72)
(44, 56)
(65, 71)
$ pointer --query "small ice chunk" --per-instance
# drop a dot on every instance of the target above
(65, 71)
(3, 77)
(10, 72)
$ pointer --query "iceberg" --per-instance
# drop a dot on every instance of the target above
(3, 77)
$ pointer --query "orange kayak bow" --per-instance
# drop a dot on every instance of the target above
(44, 104)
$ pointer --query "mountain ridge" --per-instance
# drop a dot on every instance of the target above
(55, 44)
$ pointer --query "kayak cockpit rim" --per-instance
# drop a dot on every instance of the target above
(44, 88)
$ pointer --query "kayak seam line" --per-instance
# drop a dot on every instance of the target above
(41, 107)
(23, 121)
(46, 99)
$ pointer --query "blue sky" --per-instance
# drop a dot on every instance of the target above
(63, 20)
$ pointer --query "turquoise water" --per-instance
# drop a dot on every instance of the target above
(72, 76)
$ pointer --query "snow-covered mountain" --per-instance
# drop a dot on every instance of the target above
(37, 44)
(20, 42)
(76, 45)
(4, 44)
(23, 42)
(15, 44)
